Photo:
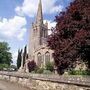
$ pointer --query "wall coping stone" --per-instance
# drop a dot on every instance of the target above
(65, 79)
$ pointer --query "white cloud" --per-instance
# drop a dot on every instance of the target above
(13, 28)
(29, 7)
(20, 36)
(56, 9)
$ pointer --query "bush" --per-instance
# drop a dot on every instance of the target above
(31, 65)
(47, 72)
(49, 66)
(1, 67)
(4, 66)
(79, 72)
(40, 70)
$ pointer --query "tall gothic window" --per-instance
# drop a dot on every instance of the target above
(47, 57)
(39, 57)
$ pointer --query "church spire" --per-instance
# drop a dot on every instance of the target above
(39, 17)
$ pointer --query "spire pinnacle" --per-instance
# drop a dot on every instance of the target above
(39, 17)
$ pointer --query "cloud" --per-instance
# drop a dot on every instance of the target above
(13, 27)
(29, 7)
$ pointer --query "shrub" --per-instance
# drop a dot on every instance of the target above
(31, 65)
(47, 72)
(40, 70)
(79, 72)
(49, 66)
(3, 66)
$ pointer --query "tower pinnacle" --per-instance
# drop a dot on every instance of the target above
(39, 17)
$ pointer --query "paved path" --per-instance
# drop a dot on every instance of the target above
(10, 86)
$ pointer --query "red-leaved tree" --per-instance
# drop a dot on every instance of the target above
(31, 65)
(71, 38)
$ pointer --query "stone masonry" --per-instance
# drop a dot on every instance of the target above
(48, 82)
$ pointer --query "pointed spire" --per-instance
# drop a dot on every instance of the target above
(46, 24)
(39, 18)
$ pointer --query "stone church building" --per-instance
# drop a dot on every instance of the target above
(38, 50)
(37, 47)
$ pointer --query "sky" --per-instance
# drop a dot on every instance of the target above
(16, 17)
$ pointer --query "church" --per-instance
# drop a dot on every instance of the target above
(37, 47)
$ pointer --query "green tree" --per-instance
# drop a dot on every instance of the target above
(5, 54)
(24, 54)
(19, 58)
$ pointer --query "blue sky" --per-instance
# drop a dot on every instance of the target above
(16, 17)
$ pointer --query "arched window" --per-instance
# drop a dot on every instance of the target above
(47, 57)
(39, 57)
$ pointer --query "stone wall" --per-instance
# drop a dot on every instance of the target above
(48, 82)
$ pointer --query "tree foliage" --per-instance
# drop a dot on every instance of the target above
(19, 58)
(2, 66)
(31, 65)
(71, 38)
(24, 54)
(49, 66)
(5, 54)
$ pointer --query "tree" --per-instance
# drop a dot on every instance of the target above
(24, 54)
(19, 58)
(71, 38)
(31, 65)
(5, 54)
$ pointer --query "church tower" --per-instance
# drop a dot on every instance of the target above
(39, 17)
(38, 35)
